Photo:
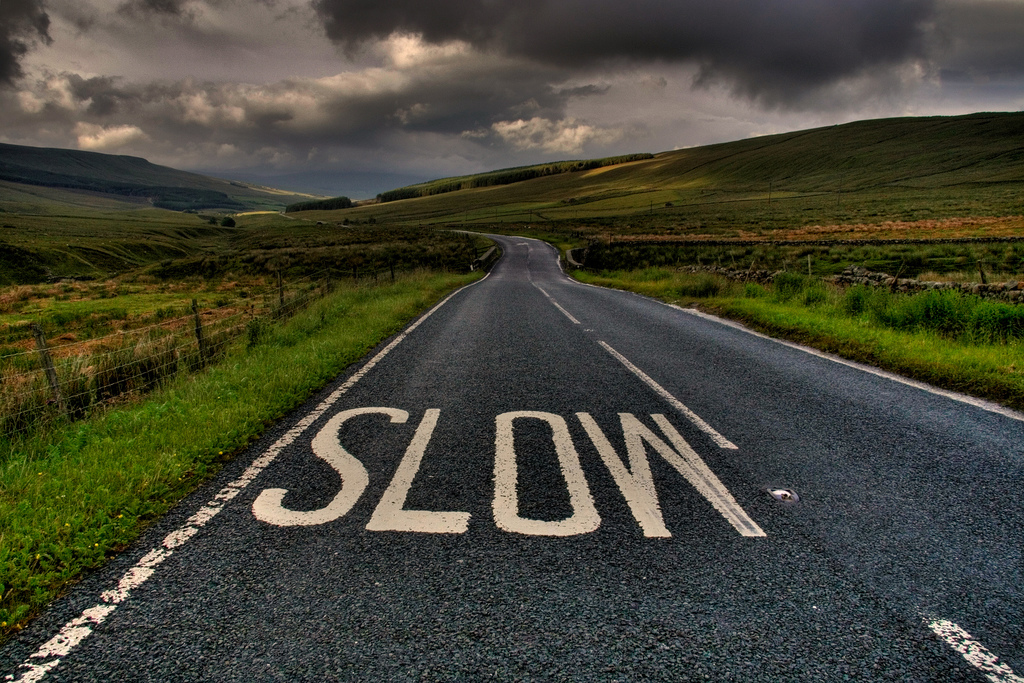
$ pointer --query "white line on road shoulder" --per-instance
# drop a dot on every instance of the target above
(673, 401)
(974, 652)
(962, 398)
(79, 628)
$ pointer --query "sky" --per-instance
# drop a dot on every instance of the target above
(357, 96)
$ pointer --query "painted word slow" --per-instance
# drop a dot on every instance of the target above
(631, 474)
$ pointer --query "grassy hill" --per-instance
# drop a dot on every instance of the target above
(126, 179)
(907, 169)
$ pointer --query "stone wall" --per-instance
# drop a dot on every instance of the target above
(855, 275)
(1012, 292)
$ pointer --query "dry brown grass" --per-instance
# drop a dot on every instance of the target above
(946, 228)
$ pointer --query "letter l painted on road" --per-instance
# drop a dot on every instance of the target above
(389, 515)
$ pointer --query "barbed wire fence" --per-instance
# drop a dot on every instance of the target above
(57, 383)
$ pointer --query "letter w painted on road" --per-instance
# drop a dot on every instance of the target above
(637, 485)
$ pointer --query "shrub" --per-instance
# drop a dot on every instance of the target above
(321, 205)
(752, 290)
(652, 275)
(855, 301)
(703, 287)
(995, 322)
(815, 294)
(788, 285)
(255, 331)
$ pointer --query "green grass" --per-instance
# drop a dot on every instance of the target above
(954, 341)
(73, 496)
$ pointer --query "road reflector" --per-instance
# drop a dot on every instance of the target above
(784, 495)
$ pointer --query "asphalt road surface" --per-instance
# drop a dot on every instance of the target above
(542, 480)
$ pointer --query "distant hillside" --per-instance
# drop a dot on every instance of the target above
(867, 171)
(505, 176)
(127, 176)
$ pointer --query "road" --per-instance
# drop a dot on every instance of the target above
(545, 480)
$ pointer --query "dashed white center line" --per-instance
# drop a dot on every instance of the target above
(557, 305)
(672, 400)
(660, 390)
(974, 652)
(79, 628)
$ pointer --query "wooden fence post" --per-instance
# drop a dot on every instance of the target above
(392, 265)
(51, 373)
(280, 290)
(896, 280)
(199, 334)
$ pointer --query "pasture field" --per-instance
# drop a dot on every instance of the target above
(922, 171)
(89, 243)
(78, 492)
(903, 250)
(123, 333)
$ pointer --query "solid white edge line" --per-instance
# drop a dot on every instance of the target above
(956, 396)
(79, 628)
(672, 400)
(974, 652)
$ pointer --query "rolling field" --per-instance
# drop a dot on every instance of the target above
(866, 173)
(94, 243)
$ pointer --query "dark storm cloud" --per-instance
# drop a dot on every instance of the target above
(769, 50)
(469, 94)
(22, 22)
(142, 8)
(101, 93)
(981, 40)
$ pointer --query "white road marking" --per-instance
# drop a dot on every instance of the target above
(636, 483)
(584, 518)
(79, 628)
(268, 505)
(974, 652)
(696, 472)
(672, 400)
(956, 396)
(557, 305)
(389, 515)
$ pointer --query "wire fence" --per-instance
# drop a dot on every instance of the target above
(54, 383)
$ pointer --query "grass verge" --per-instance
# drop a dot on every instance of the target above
(939, 339)
(76, 495)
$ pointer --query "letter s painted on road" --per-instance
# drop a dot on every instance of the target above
(354, 479)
